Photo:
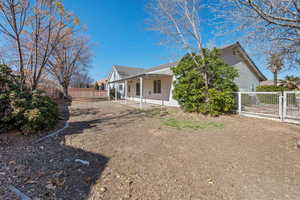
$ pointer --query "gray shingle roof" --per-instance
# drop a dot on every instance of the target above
(125, 71)
(163, 66)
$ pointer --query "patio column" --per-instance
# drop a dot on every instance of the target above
(116, 92)
(108, 91)
(126, 90)
(141, 91)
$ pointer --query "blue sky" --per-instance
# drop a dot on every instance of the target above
(118, 30)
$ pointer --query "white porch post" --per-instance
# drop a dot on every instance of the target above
(141, 91)
(116, 92)
(126, 90)
(108, 92)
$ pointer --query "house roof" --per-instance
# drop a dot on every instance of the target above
(102, 81)
(163, 66)
(125, 71)
(132, 72)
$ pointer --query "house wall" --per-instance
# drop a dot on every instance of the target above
(113, 77)
(247, 80)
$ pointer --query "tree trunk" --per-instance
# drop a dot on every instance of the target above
(65, 91)
(34, 85)
(275, 78)
(22, 75)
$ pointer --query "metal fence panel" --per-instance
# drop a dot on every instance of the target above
(261, 103)
(291, 110)
(283, 106)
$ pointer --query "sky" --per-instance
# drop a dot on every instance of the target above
(118, 31)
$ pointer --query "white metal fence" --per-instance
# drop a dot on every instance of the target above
(283, 106)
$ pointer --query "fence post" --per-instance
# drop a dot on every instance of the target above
(280, 107)
(240, 102)
(284, 111)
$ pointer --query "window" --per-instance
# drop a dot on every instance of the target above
(120, 87)
(128, 88)
(137, 89)
(157, 87)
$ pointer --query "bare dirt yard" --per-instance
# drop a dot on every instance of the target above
(160, 154)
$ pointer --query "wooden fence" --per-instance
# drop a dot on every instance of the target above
(53, 93)
(76, 93)
(87, 93)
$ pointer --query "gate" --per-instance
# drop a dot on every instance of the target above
(291, 106)
(278, 106)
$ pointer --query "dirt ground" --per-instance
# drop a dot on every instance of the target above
(145, 155)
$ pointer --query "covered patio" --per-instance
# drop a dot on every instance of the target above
(143, 89)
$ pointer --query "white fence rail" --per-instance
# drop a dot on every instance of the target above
(282, 106)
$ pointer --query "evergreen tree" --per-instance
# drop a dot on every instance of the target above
(191, 91)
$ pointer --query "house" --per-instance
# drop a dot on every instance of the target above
(155, 85)
(103, 83)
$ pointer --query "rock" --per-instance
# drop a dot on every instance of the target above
(84, 162)
(127, 196)
(210, 181)
(103, 189)
(12, 162)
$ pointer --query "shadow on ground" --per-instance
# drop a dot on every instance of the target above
(49, 170)
(111, 119)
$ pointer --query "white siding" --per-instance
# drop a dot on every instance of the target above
(113, 77)
(247, 80)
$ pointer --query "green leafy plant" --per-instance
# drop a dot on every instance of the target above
(269, 98)
(190, 88)
(22, 109)
(271, 88)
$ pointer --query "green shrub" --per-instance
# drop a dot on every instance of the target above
(191, 91)
(271, 88)
(27, 111)
(270, 98)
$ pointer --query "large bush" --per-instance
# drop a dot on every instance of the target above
(190, 89)
(22, 109)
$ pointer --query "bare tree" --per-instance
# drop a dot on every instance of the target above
(275, 64)
(81, 80)
(179, 21)
(49, 26)
(267, 24)
(69, 57)
(14, 14)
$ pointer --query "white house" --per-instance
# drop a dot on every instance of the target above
(155, 84)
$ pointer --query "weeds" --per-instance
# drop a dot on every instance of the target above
(189, 124)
